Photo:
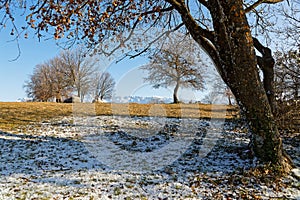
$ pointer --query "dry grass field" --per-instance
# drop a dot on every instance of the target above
(15, 115)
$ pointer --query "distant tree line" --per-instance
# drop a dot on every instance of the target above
(70, 73)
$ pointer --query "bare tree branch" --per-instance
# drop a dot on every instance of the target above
(259, 2)
(154, 41)
(122, 43)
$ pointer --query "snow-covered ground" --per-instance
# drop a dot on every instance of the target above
(110, 157)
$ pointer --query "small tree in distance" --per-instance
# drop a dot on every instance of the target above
(80, 68)
(48, 81)
(219, 89)
(175, 64)
(38, 87)
(104, 86)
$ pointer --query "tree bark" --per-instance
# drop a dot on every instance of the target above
(175, 97)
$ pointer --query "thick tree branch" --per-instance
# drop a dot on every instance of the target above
(187, 18)
(265, 51)
(151, 43)
(203, 37)
(266, 63)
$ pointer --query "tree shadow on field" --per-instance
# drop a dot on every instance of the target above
(35, 155)
(45, 157)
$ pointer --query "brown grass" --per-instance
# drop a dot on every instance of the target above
(17, 115)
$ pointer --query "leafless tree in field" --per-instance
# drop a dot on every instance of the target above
(80, 67)
(177, 64)
(49, 80)
(103, 85)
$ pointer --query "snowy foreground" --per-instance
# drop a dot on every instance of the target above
(136, 158)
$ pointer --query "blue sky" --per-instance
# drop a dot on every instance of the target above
(14, 73)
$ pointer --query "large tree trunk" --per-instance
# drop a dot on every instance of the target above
(239, 70)
(232, 49)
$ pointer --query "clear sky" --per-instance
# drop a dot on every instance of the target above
(14, 73)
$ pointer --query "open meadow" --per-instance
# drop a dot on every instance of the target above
(134, 151)
(15, 115)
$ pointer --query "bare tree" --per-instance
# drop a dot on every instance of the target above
(61, 75)
(288, 75)
(219, 89)
(38, 86)
(104, 86)
(80, 67)
(289, 29)
(48, 80)
(60, 81)
(177, 64)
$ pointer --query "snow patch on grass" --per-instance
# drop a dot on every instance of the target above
(56, 160)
